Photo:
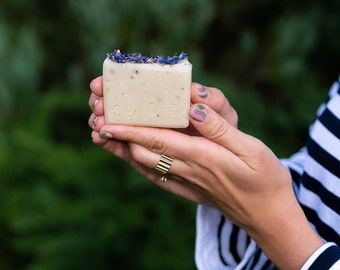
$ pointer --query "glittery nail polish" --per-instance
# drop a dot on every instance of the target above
(202, 91)
(199, 113)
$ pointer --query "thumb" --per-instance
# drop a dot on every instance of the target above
(215, 128)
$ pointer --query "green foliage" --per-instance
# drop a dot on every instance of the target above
(282, 57)
(67, 204)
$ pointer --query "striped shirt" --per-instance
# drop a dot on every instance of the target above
(315, 171)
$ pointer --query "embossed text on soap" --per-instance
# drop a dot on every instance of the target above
(148, 111)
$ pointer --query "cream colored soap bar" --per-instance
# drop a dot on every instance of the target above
(147, 94)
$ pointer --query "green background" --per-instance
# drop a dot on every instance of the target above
(66, 204)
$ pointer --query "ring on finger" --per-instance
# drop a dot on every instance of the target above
(163, 166)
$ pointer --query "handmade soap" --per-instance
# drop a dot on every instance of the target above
(147, 91)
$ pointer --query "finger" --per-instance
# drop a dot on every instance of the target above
(145, 161)
(97, 139)
(215, 99)
(158, 140)
(190, 153)
(92, 101)
(117, 148)
(96, 104)
(96, 86)
(150, 159)
(173, 184)
(96, 122)
(210, 124)
(189, 170)
(215, 128)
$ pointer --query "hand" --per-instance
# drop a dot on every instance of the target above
(216, 163)
(127, 150)
(209, 155)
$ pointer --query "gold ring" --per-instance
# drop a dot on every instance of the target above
(163, 166)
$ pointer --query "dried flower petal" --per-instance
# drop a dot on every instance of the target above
(138, 58)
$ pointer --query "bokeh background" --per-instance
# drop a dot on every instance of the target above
(66, 204)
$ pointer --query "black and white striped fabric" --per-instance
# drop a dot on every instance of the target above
(315, 171)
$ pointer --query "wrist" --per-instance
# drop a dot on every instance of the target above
(290, 242)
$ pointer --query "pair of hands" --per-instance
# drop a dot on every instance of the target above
(214, 163)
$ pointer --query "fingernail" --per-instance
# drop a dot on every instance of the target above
(199, 113)
(106, 135)
(202, 91)
(94, 104)
(94, 121)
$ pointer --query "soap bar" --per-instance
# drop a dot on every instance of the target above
(147, 91)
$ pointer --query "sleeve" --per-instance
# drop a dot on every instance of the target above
(326, 257)
(222, 245)
(318, 187)
(315, 171)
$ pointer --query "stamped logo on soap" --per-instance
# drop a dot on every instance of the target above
(142, 112)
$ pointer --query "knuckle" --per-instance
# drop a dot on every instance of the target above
(258, 149)
(156, 144)
(218, 130)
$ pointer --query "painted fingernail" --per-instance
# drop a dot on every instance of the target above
(94, 104)
(199, 113)
(106, 135)
(94, 121)
(202, 91)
